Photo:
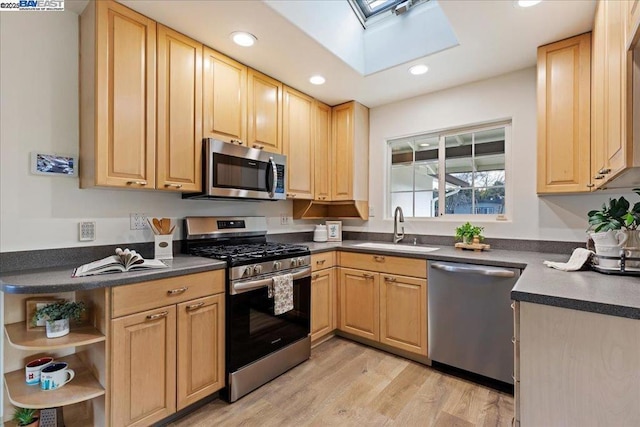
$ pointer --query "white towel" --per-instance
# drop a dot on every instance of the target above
(578, 258)
(282, 294)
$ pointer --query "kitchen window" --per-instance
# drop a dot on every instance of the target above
(453, 172)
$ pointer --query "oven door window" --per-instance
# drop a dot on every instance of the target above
(253, 330)
(240, 173)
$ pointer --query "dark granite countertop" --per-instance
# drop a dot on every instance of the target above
(53, 280)
(582, 290)
(578, 290)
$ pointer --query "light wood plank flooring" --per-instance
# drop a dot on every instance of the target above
(348, 384)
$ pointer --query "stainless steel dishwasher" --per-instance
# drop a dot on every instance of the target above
(470, 317)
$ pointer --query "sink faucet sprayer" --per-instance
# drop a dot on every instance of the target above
(398, 236)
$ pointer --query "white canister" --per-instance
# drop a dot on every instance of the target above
(163, 246)
(320, 233)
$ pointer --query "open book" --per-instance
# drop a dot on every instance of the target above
(123, 260)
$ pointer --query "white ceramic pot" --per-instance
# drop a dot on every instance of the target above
(57, 328)
(609, 238)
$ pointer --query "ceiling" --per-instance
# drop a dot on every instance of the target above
(495, 37)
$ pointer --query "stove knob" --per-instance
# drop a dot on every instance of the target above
(300, 262)
(247, 272)
(294, 262)
(277, 265)
(257, 269)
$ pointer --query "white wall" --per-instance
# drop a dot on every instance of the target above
(512, 96)
(39, 111)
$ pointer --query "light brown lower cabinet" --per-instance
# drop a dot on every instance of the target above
(323, 297)
(166, 358)
(387, 308)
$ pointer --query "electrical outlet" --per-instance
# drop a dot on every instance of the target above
(284, 219)
(86, 231)
(371, 211)
(137, 221)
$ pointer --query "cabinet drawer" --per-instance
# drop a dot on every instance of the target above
(156, 293)
(385, 264)
(323, 260)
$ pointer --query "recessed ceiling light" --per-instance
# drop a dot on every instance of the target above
(424, 145)
(317, 80)
(416, 70)
(527, 3)
(243, 39)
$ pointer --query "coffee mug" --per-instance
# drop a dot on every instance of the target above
(33, 368)
(55, 376)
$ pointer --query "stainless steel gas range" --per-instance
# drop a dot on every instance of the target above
(260, 345)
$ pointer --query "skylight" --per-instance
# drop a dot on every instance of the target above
(372, 11)
(373, 7)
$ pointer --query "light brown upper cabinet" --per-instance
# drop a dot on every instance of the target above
(322, 152)
(264, 112)
(633, 22)
(564, 122)
(224, 98)
(117, 97)
(179, 139)
(598, 64)
(297, 139)
(350, 152)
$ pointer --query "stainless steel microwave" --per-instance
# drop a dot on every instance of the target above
(236, 172)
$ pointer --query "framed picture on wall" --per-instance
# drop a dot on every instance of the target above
(334, 231)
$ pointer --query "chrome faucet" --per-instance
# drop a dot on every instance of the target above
(397, 237)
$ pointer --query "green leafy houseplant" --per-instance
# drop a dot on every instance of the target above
(466, 232)
(615, 215)
(25, 416)
(59, 311)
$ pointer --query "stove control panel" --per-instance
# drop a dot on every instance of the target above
(268, 267)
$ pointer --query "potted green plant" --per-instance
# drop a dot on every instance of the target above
(466, 232)
(26, 417)
(57, 316)
(615, 224)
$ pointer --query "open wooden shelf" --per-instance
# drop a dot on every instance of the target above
(19, 337)
(83, 387)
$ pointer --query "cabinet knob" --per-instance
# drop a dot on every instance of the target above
(315, 277)
(367, 275)
(378, 258)
(320, 261)
(237, 141)
(291, 195)
(136, 182)
(173, 185)
(598, 177)
(192, 307)
(157, 315)
(177, 291)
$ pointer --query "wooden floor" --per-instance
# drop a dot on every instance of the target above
(348, 384)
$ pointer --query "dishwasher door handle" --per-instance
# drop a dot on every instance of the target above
(474, 270)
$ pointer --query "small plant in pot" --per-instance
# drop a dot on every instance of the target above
(57, 316)
(467, 232)
(615, 224)
(26, 417)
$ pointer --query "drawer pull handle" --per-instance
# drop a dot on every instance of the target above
(378, 258)
(367, 275)
(513, 340)
(195, 306)
(136, 182)
(315, 277)
(158, 315)
(177, 291)
(389, 279)
(173, 185)
(237, 141)
(259, 147)
(320, 261)
(513, 305)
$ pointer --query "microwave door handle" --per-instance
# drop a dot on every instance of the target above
(274, 171)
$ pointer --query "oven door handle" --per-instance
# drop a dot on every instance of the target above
(246, 286)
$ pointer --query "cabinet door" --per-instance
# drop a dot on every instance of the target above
(224, 98)
(633, 21)
(342, 152)
(598, 125)
(615, 88)
(264, 112)
(124, 97)
(200, 348)
(323, 296)
(297, 143)
(179, 112)
(322, 152)
(564, 108)
(143, 367)
(359, 303)
(403, 313)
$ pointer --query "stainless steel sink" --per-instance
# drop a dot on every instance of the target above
(396, 248)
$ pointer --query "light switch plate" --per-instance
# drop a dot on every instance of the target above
(87, 231)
